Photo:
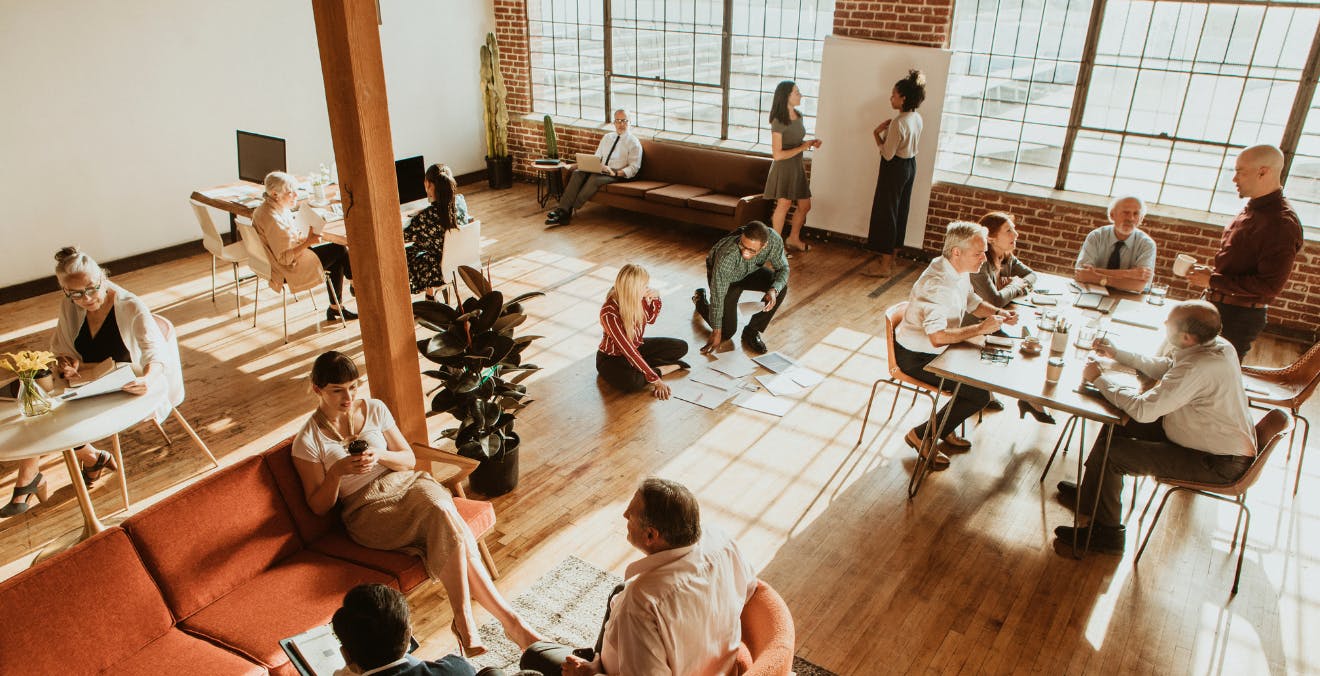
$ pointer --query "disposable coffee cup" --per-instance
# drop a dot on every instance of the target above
(1054, 370)
(1183, 265)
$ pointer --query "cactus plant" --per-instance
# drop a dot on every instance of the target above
(493, 95)
(551, 141)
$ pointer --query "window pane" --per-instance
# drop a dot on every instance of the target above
(566, 47)
(1303, 182)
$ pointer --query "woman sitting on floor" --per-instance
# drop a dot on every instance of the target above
(293, 254)
(625, 359)
(386, 504)
(427, 231)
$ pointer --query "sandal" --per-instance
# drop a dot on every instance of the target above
(104, 461)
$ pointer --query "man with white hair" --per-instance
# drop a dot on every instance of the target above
(933, 321)
(1257, 251)
(621, 154)
(1119, 254)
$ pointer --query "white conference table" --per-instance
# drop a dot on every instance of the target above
(73, 424)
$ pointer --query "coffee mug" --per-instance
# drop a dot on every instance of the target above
(1053, 370)
(1183, 264)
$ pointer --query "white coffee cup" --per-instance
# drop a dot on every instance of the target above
(1183, 265)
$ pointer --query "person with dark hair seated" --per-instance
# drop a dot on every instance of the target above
(427, 231)
(374, 631)
(679, 608)
(735, 264)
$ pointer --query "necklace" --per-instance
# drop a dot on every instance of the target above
(333, 428)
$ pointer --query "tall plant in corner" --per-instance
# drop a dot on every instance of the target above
(480, 369)
(499, 165)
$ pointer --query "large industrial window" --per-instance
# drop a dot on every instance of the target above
(1132, 96)
(699, 68)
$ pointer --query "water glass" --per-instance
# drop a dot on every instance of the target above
(1085, 338)
(1157, 293)
(1048, 320)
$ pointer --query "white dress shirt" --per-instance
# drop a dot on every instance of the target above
(1199, 395)
(901, 138)
(680, 611)
(627, 156)
(939, 299)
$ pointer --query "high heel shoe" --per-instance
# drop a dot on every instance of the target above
(465, 648)
(1040, 415)
(104, 461)
(35, 487)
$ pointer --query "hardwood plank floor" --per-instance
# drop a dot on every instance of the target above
(961, 580)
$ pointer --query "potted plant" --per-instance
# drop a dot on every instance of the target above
(480, 369)
(499, 164)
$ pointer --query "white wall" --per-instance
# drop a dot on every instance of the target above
(115, 110)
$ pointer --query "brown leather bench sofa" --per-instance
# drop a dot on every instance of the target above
(695, 185)
(205, 582)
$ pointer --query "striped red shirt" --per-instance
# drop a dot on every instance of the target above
(615, 341)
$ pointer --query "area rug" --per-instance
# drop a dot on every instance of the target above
(567, 605)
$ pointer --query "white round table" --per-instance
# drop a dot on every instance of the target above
(73, 424)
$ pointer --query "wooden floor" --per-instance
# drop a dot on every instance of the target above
(961, 580)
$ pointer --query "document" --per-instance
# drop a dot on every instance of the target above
(779, 384)
(704, 396)
(90, 372)
(315, 652)
(714, 379)
(1137, 313)
(734, 364)
(805, 376)
(764, 403)
(113, 381)
(775, 362)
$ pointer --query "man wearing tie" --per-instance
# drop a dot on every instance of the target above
(619, 151)
(1119, 255)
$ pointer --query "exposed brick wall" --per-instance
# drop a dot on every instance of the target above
(1051, 234)
(913, 22)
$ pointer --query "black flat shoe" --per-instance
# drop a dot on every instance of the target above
(1105, 539)
(1068, 494)
(332, 314)
(1040, 415)
(683, 365)
(752, 340)
(21, 502)
(702, 305)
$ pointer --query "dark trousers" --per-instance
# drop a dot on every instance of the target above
(1143, 449)
(889, 205)
(1242, 325)
(581, 186)
(965, 405)
(334, 258)
(761, 280)
(548, 657)
(657, 352)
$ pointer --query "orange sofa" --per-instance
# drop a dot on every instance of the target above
(206, 581)
(695, 185)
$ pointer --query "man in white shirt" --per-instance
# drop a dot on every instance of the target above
(679, 609)
(619, 151)
(1193, 424)
(933, 321)
(1119, 255)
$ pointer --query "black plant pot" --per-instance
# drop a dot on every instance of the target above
(499, 172)
(499, 475)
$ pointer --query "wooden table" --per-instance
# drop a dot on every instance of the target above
(241, 198)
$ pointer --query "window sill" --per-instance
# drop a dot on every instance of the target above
(744, 147)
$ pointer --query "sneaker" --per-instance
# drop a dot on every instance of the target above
(1105, 539)
(937, 463)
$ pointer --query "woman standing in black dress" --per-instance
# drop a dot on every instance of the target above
(897, 139)
(427, 232)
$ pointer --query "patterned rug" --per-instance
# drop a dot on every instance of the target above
(567, 605)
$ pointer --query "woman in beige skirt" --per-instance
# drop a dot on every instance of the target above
(386, 504)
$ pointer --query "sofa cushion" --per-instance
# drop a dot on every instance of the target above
(406, 569)
(633, 188)
(214, 535)
(82, 611)
(479, 515)
(301, 592)
(677, 194)
(723, 172)
(715, 203)
(180, 653)
(279, 461)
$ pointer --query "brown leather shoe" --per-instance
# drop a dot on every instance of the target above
(938, 462)
(956, 443)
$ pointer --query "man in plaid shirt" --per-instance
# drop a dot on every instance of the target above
(735, 264)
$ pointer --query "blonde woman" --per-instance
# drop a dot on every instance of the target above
(293, 253)
(626, 359)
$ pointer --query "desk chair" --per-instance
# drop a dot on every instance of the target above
(234, 254)
(901, 381)
(1287, 387)
(462, 247)
(1272, 428)
(259, 263)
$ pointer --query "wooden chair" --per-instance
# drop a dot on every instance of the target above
(1269, 431)
(901, 381)
(259, 263)
(233, 254)
(1287, 387)
(458, 469)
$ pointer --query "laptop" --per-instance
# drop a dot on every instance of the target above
(590, 163)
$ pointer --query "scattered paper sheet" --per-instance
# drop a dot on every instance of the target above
(113, 381)
(779, 384)
(714, 379)
(734, 364)
(805, 376)
(701, 395)
(775, 362)
(764, 403)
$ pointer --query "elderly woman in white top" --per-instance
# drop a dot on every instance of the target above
(99, 320)
(293, 253)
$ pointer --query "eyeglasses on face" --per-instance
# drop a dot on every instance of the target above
(83, 293)
(748, 249)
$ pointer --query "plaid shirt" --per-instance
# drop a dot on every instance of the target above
(725, 266)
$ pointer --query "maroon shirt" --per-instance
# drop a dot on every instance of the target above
(1257, 252)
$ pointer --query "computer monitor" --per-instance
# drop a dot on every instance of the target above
(259, 155)
(410, 172)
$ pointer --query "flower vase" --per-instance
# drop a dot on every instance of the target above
(32, 399)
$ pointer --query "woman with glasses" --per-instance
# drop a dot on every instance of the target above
(293, 253)
(98, 320)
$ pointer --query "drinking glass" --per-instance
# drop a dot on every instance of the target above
(1157, 293)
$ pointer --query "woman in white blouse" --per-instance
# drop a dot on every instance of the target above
(897, 139)
(386, 504)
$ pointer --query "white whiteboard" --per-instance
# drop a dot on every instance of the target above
(857, 77)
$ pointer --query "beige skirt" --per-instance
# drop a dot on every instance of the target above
(408, 511)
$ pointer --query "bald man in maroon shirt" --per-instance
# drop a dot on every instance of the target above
(1257, 251)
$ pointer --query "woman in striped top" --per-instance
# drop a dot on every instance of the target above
(625, 359)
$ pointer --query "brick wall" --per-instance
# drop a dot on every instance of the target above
(1052, 230)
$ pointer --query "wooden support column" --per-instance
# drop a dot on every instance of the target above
(349, 39)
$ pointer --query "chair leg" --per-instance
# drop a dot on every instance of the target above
(1149, 501)
(1301, 455)
(1242, 552)
(866, 416)
(256, 293)
(284, 304)
(123, 470)
(238, 298)
(212, 279)
(1151, 529)
(490, 560)
(193, 433)
(334, 300)
(893, 406)
(168, 441)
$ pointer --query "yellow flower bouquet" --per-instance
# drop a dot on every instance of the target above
(28, 365)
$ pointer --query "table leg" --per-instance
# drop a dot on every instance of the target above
(123, 471)
(1095, 505)
(91, 525)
